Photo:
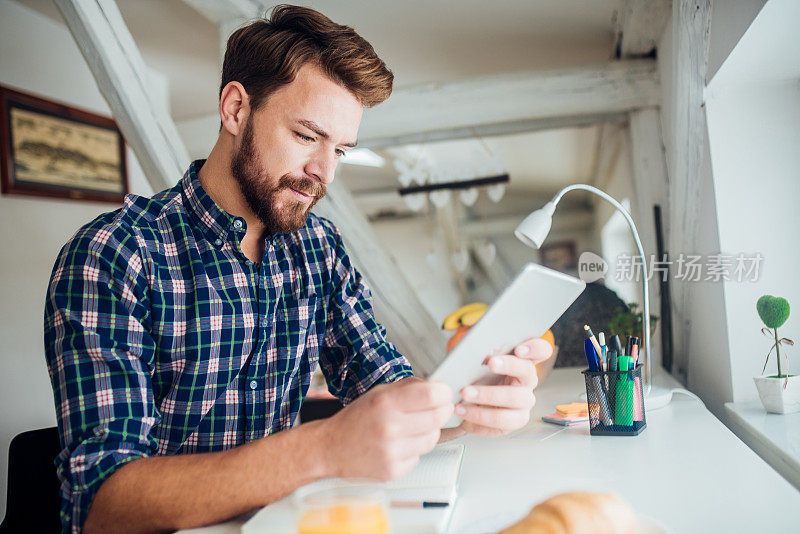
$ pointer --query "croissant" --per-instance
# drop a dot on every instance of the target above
(578, 512)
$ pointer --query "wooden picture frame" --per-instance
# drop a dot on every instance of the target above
(49, 149)
(559, 255)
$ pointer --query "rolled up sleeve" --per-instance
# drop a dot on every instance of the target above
(356, 354)
(99, 353)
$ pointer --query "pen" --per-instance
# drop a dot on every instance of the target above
(591, 356)
(617, 345)
(590, 336)
(635, 350)
(418, 504)
(601, 338)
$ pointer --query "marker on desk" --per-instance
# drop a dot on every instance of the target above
(635, 350)
(612, 360)
(623, 414)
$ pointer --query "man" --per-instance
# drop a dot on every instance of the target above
(181, 331)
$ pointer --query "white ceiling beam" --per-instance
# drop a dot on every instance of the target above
(121, 76)
(568, 220)
(639, 25)
(555, 98)
(493, 129)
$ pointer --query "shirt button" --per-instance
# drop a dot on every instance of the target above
(253, 384)
(238, 224)
(218, 242)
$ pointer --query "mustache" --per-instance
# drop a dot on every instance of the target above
(305, 185)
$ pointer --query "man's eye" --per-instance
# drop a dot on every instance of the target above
(305, 138)
(339, 152)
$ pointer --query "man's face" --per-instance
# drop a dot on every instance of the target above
(289, 148)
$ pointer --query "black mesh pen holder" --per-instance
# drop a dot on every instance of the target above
(616, 402)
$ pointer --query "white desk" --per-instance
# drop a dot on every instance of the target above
(687, 471)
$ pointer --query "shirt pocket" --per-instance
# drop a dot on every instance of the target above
(295, 331)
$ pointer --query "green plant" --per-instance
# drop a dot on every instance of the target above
(630, 322)
(774, 311)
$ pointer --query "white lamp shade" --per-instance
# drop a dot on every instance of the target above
(534, 228)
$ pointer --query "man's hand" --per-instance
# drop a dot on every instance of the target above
(383, 433)
(505, 404)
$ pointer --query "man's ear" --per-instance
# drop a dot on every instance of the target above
(234, 107)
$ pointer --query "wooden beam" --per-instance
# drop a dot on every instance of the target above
(558, 97)
(493, 129)
(121, 76)
(691, 23)
(639, 25)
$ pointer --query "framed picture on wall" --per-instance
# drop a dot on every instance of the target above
(559, 255)
(50, 149)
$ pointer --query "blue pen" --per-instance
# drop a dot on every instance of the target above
(591, 356)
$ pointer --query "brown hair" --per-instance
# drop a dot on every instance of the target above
(266, 54)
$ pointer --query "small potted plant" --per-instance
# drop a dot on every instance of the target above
(629, 322)
(779, 393)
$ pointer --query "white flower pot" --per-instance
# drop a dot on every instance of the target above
(776, 398)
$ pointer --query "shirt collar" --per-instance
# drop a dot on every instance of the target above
(213, 221)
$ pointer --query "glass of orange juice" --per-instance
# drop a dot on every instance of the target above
(351, 509)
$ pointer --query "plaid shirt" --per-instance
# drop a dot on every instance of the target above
(162, 338)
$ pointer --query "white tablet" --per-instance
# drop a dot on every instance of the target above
(527, 308)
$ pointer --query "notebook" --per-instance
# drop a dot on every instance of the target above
(434, 479)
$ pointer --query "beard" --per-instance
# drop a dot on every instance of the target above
(262, 192)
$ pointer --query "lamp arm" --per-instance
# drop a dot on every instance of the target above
(645, 295)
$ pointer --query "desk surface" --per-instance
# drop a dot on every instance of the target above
(686, 471)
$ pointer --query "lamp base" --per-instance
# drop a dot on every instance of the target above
(656, 397)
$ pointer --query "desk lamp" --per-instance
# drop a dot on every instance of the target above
(534, 229)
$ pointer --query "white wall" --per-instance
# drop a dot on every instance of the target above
(38, 56)
(754, 126)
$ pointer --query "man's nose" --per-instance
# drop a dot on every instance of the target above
(322, 166)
